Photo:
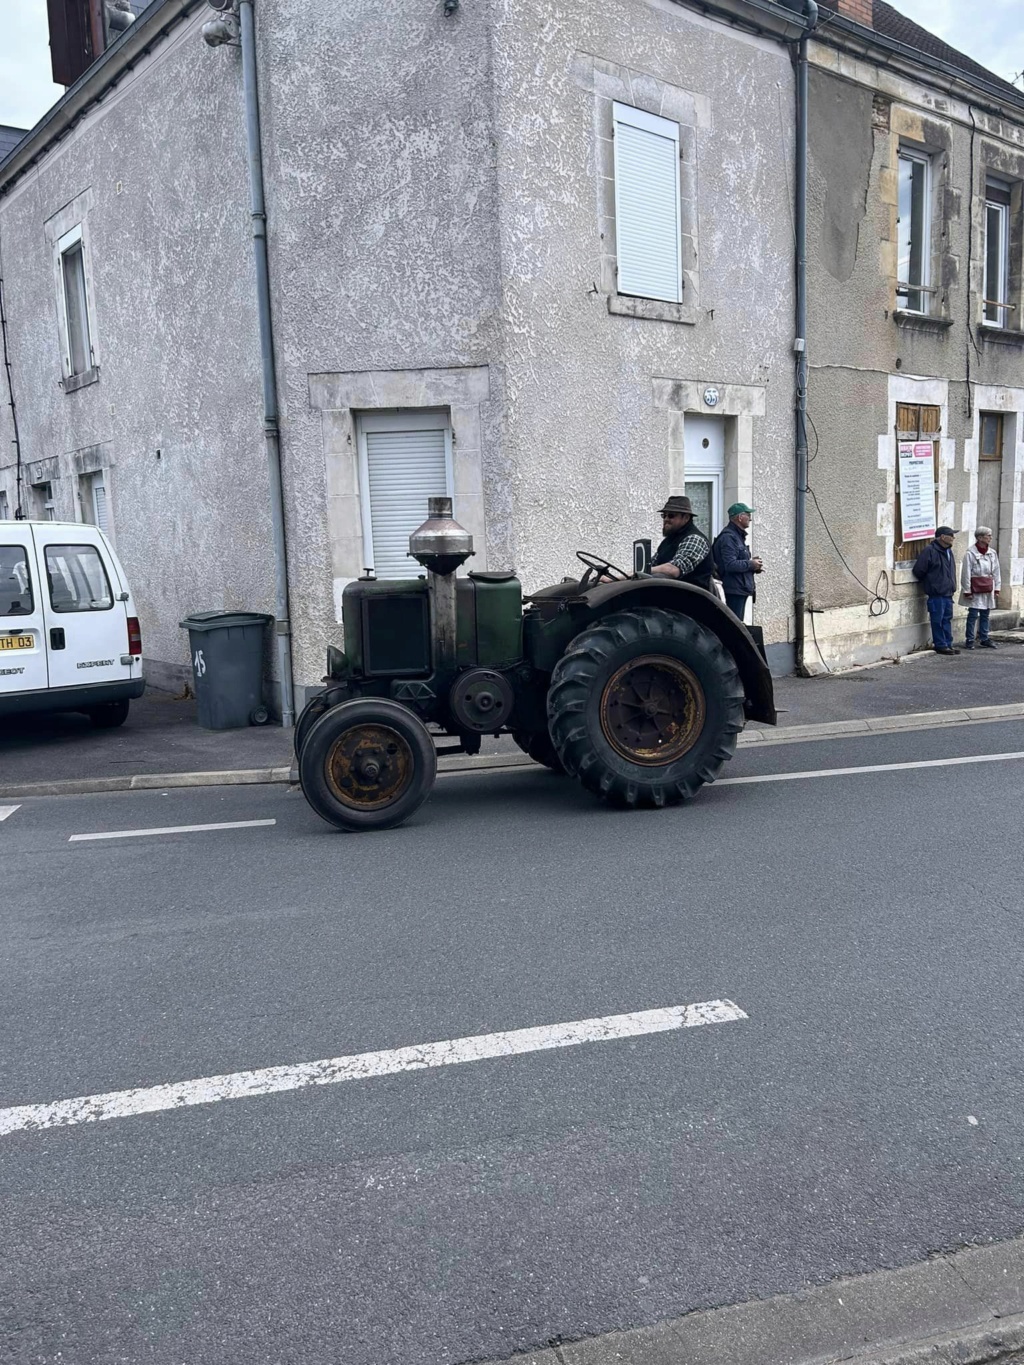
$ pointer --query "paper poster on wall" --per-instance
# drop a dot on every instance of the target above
(917, 490)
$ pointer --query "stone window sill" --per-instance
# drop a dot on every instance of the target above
(656, 310)
(921, 322)
(80, 381)
(1002, 336)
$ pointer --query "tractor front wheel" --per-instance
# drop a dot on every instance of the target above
(645, 707)
(367, 764)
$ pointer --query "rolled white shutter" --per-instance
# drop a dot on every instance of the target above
(404, 469)
(647, 229)
(99, 502)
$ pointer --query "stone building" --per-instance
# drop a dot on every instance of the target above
(541, 257)
(915, 332)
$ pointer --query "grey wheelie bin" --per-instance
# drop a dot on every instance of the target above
(227, 667)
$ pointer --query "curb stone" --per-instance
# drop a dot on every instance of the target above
(966, 1308)
(234, 777)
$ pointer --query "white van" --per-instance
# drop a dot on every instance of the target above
(69, 636)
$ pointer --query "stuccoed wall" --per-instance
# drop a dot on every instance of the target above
(378, 131)
(860, 354)
(588, 447)
(160, 167)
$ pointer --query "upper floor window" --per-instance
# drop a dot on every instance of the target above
(77, 332)
(647, 226)
(914, 219)
(997, 253)
(913, 279)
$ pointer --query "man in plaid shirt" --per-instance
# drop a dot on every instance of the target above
(685, 553)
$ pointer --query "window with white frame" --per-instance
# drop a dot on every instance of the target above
(913, 286)
(404, 459)
(647, 225)
(997, 253)
(78, 355)
(94, 501)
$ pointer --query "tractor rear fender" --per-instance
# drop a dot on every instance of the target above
(706, 608)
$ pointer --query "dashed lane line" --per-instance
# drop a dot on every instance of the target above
(119, 1104)
(6, 812)
(168, 829)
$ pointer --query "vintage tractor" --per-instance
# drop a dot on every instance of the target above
(635, 684)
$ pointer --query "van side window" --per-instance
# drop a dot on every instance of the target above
(78, 581)
(15, 583)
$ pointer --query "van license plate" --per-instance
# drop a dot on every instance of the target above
(16, 642)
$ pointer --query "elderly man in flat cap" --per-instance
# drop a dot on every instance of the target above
(980, 581)
(685, 553)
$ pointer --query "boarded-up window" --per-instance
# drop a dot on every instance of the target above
(914, 423)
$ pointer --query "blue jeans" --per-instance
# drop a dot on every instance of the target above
(940, 613)
(737, 603)
(976, 615)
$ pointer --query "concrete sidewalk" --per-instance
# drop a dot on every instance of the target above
(963, 1308)
(161, 738)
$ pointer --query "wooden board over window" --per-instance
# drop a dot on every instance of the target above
(914, 423)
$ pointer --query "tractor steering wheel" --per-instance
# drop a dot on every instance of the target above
(597, 568)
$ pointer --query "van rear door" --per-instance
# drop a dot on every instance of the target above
(22, 626)
(86, 624)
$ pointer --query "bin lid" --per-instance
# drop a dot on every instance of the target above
(223, 620)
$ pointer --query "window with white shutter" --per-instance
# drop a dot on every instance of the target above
(647, 226)
(404, 459)
(95, 506)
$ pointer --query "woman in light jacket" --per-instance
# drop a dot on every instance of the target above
(980, 563)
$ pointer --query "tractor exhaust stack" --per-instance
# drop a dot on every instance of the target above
(441, 545)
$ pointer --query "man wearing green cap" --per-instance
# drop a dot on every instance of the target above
(736, 565)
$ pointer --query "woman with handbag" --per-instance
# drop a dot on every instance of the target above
(980, 581)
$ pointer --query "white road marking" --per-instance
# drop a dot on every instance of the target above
(870, 768)
(168, 829)
(6, 811)
(362, 1066)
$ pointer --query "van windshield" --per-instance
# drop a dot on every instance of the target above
(15, 583)
(78, 581)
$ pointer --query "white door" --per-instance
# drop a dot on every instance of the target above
(404, 459)
(22, 623)
(704, 455)
(87, 627)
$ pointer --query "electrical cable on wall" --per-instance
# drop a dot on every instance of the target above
(879, 595)
(19, 512)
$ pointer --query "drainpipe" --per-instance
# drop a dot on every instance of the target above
(800, 344)
(271, 425)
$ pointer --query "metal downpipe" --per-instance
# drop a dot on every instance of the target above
(800, 222)
(271, 425)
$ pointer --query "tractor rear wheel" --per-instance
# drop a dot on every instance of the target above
(367, 764)
(539, 747)
(645, 707)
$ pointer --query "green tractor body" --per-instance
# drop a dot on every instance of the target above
(637, 687)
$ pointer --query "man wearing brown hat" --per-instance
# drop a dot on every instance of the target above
(685, 553)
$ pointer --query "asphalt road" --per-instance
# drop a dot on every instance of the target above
(864, 1114)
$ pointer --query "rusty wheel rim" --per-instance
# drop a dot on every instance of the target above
(652, 710)
(369, 766)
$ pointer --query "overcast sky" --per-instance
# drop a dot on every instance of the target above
(992, 34)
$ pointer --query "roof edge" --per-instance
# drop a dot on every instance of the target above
(867, 42)
(155, 21)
